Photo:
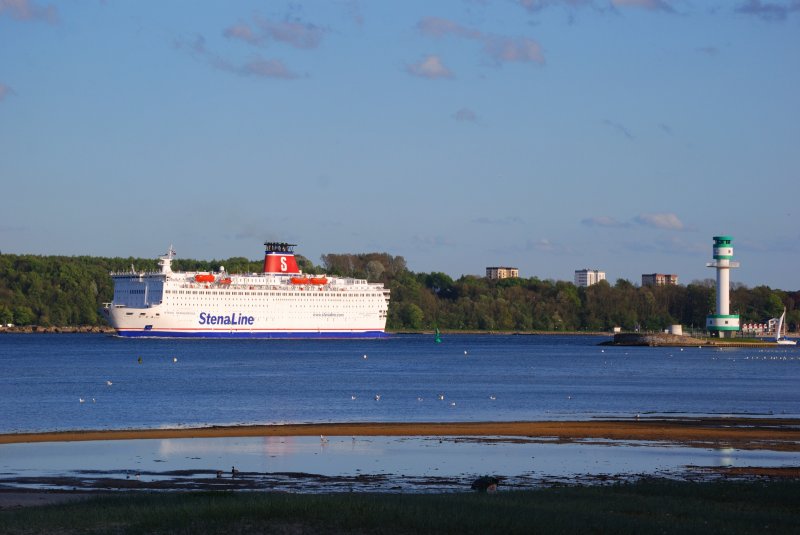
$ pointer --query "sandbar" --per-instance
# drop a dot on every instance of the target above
(776, 434)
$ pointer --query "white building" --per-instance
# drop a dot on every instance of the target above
(501, 272)
(587, 277)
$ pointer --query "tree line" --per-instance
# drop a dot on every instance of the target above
(69, 290)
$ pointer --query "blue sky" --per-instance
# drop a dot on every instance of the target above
(550, 135)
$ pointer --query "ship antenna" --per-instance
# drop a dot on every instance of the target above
(165, 261)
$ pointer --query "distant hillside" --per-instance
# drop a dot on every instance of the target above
(69, 291)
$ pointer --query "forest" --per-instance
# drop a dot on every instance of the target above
(70, 290)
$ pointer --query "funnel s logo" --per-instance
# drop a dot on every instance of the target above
(283, 264)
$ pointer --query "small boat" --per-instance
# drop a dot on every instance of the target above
(783, 341)
(226, 280)
(319, 280)
(204, 277)
(300, 280)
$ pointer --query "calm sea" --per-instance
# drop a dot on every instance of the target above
(170, 383)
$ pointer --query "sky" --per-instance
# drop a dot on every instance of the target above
(547, 135)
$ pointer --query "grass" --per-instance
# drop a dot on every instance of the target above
(644, 507)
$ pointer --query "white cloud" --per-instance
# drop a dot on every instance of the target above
(769, 11)
(465, 114)
(665, 221)
(536, 5)
(5, 91)
(430, 67)
(439, 27)
(243, 32)
(499, 48)
(652, 5)
(28, 10)
(297, 34)
(270, 68)
(603, 221)
(264, 68)
(522, 49)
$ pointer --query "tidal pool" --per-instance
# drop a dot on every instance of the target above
(336, 463)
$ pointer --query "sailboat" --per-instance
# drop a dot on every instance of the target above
(783, 341)
(438, 338)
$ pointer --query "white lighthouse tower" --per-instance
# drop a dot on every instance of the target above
(723, 323)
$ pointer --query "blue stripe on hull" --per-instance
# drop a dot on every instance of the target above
(252, 335)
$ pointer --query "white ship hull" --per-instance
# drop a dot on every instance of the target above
(255, 305)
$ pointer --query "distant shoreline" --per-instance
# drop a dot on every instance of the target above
(761, 433)
(95, 329)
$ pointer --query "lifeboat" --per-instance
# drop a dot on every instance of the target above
(226, 280)
(300, 280)
(204, 277)
(319, 280)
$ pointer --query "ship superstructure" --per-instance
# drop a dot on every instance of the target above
(281, 302)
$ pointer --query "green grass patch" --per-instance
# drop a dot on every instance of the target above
(644, 507)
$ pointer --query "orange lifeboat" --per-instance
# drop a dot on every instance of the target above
(226, 280)
(300, 280)
(319, 280)
(204, 277)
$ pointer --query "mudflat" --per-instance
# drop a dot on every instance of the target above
(777, 434)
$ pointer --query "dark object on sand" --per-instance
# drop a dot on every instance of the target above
(485, 484)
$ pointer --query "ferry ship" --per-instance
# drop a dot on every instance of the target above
(281, 302)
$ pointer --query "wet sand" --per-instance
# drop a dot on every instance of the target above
(776, 434)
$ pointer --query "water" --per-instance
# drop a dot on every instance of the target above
(304, 464)
(215, 382)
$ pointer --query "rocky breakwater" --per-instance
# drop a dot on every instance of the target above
(676, 340)
(656, 339)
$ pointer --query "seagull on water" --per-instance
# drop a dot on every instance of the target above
(492, 397)
(80, 400)
(441, 397)
(377, 397)
(353, 397)
(109, 383)
(174, 359)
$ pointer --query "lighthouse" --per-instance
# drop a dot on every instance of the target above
(723, 324)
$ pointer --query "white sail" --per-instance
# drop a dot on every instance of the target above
(779, 328)
(778, 331)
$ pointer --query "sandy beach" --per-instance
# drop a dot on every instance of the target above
(744, 433)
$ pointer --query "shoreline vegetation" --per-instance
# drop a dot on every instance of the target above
(644, 506)
(59, 291)
(753, 433)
